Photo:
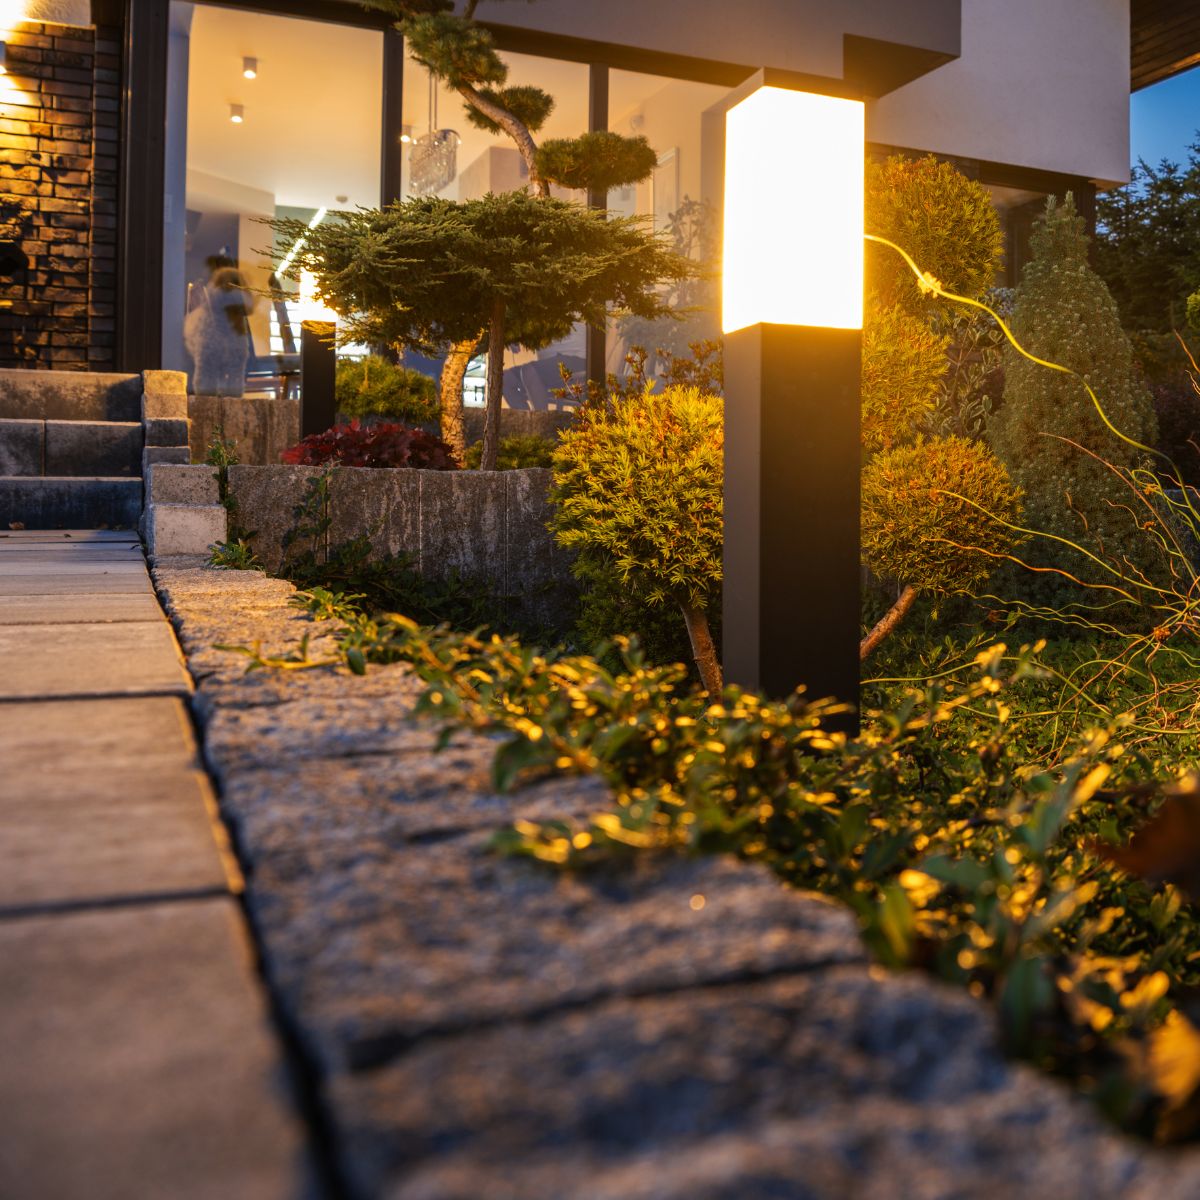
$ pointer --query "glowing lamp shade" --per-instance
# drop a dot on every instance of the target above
(793, 211)
(311, 305)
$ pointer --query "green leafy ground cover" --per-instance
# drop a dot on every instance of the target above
(969, 825)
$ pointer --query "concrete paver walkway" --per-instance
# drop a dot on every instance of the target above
(136, 1054)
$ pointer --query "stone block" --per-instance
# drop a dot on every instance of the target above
(538, 584)
(166, 432)
(172, 383)
(70, 395)
(109, 448)
(822, 1086)
(168, 483)
(175, 455)
(22, 446)
(463, 525)
(383, 504)
(184, 528)
(139, 1059)
(262, 427)
(70, 503)
(437, 938)
(267, 499)
(166, 406)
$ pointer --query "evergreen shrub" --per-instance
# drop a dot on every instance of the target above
(637, 492)
(374, 387)
(1065, 314)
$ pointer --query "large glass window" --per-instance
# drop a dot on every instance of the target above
(267, 116)
(668, 113)
(448, 155)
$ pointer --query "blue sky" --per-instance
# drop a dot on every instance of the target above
(1164, 118)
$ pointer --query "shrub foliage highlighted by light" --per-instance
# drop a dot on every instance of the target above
(638, 490)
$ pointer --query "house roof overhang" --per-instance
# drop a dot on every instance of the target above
(1164, 40)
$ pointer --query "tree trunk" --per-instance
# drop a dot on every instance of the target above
(887, 623)
(515, 129)
(450, 401)
(703, 650)
(495, 388)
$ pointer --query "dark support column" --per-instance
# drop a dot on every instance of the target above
(791, 603)
(392, 150)
(318, 375)
(140, 208)
(597, 122)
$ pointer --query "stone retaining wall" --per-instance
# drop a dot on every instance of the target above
(486, 1027)
(488, 526)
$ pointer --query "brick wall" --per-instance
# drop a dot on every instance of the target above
(59, 125)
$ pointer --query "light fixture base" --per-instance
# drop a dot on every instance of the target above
(792, 463)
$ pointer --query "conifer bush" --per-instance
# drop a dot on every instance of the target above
(932, 517)
(637, 492)
(375, 387)
(1065, 314)
(947, 223)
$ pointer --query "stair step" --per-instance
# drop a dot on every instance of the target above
(95, 448)
(70, 502)
(70, 395)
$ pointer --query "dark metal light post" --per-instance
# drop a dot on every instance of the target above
(318, 360)
(792, 316)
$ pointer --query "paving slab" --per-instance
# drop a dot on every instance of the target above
(126, 835)
(89, 659)
(26, 564)
(13, 536)
(36, 554)
(72, 585)
(138, 1060)
(80, 608)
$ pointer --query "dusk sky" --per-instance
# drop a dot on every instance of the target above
(1164, 119)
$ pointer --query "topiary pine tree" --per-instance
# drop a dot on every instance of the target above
(456, 49)
(421, 273)
(1065, 314)
(637, 491)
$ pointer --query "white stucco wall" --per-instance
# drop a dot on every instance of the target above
(1041, 83)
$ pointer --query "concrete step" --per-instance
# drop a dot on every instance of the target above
(36, 447)
(70, 502)
(70, 395)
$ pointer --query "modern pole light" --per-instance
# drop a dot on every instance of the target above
(792, 287)
(318, 359)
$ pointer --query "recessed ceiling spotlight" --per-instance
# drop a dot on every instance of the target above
(237, 113)
(249, 68)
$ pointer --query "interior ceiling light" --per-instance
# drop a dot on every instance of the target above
(237, 113)
(406, 134)
(249, 68)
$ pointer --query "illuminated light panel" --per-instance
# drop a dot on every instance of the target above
(310, 305)
(793, 250)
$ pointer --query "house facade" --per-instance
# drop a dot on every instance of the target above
(142, 142)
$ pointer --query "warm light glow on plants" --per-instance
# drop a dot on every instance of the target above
(793, 211)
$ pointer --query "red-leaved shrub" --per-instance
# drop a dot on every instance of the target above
(377, 446)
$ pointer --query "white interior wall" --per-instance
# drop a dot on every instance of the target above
(1041, 83)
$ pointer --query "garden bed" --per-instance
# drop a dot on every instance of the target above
(665, 1027)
